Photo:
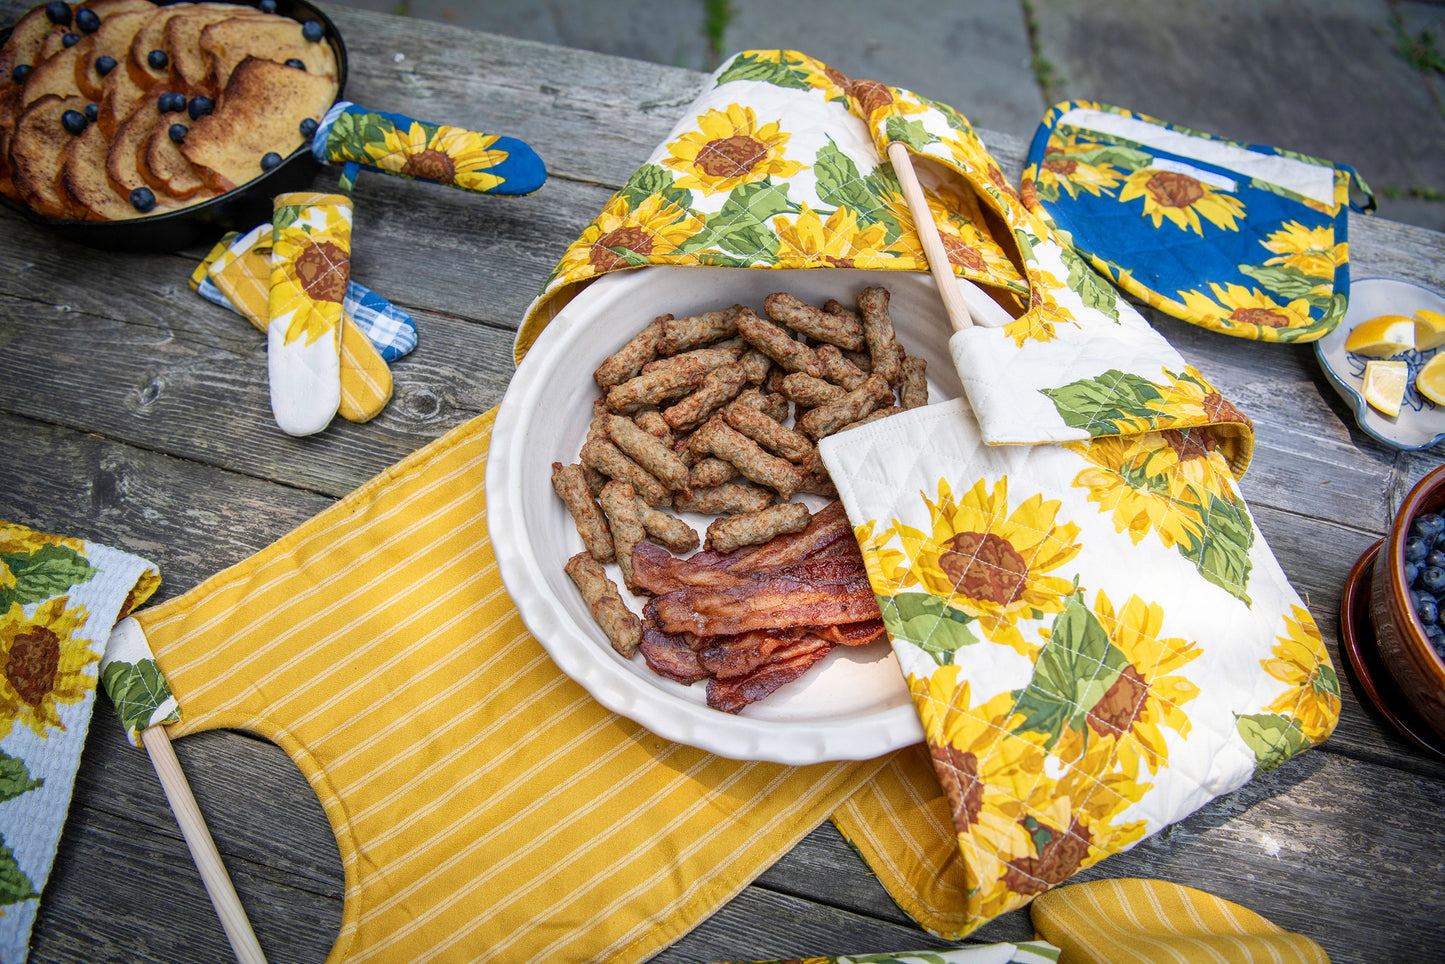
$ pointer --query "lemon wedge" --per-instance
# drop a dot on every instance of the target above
(1382, 336)
(1385, 385)
(1429, 329)
(1431, 380)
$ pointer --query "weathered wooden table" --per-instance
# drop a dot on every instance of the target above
(134, 413)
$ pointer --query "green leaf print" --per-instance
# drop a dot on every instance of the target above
(285, 216)
(754, 67)
(1094, 290)
(741, 227)
(841, 185)
(14, 778)
(652, 179)
(1273, 738)
(1222, 555)
(1096, 404)
(15, 887)
(928, 623)
(137, 690)
(41, 573)
(1290, 283)
(910, 132)
(1110, 155)
(1074, 671)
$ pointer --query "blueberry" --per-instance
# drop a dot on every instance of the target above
(158, 60)
(308, 126)
(1416, 549)
(73, 121)
(87, 20)
(1430, 523)
(142, 199)
(1428, 612)
(1432, 580)
(92, 111)
(104, 65)
(296, 62)
(58, 13)
(171, 102)
(177, 132)
(311, 30)
(20, 72)
(69, 39)
(1435, 557)
(269, 160)
(200, 104)
(267, 6)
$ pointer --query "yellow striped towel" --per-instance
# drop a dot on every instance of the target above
(1133, 921)
(486, 808)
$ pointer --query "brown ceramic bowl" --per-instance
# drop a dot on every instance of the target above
(1404, 647)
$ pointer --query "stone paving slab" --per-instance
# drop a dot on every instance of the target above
(1318, 76)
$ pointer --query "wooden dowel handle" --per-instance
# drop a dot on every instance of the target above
(157, 743)
(953, 304)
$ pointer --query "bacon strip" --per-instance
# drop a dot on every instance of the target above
(828, 525)
(669, 655)
(732, 695)
(812, 593)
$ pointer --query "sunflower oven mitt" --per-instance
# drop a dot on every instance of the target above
(355, 137)
(59, 598)
(1238, 238)
(1096, 636)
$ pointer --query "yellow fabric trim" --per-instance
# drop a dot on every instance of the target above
(901, 824)
(485, 806)
(1134, 921)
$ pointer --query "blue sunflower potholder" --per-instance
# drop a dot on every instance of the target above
(1240, 238)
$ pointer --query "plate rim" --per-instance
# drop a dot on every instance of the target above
(1347, 391)
(789, 742)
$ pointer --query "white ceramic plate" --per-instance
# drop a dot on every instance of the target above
(1421, 422)
(854, 704)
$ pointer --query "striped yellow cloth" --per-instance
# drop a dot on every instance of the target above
(1152, 921)
(486, 808)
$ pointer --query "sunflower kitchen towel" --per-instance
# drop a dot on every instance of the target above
(59, 598)
(1239, 238)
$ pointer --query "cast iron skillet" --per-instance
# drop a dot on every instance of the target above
(240, 209)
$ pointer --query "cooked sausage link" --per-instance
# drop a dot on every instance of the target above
(620, 624)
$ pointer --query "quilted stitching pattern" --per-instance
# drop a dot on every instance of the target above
(1152, 680)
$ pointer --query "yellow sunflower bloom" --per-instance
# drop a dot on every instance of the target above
(1309, 249)
(986, 773)
(1146, 698)
(1060, 170)
(728, 149)
(991, 563)
(958, 215)
(884, 563)
(654, 228)
(1114, 484)
(1235, 306)
(1300, 660)
(41, 666)
(449, 155)
(837, 242)
(1182, 199)
(1045, 313)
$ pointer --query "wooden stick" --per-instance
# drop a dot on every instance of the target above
(203, 849)
(938, 263)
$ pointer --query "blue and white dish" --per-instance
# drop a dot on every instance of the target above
(1421, 423)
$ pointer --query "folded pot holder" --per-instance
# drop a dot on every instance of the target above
(1239, 238)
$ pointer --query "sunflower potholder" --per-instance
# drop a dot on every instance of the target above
(1242, 239)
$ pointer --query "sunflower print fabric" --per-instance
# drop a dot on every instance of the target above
(1246, 240)
(1096, 636)
(59, 599)
(400, 145)
(310, 274)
